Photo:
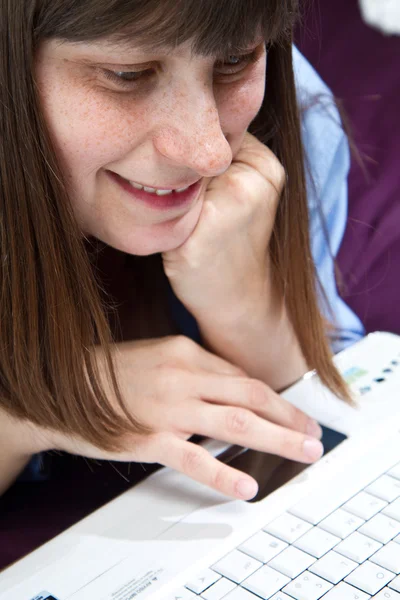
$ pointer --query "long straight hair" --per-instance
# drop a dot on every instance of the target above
(52, 312)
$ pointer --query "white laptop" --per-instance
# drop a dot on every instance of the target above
(332, 531)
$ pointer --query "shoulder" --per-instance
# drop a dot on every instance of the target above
(322, 131)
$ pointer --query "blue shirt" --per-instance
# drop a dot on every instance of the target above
(328, 163)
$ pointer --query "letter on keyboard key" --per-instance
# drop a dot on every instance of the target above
(386, 487)
(388, 557)
(364, 505)
(317, 542)
(344, 591)
(287, 527)
(381, 528)
(333, 567)
(307, 587)
(203, 581)
(266, 582)
(369, 577)
(387, 594)
(341, 523)
(219, 590)
(236, 566)
(358, 547)
(263, 546)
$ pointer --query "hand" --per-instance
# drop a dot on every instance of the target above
(177, 389)
(222, 270)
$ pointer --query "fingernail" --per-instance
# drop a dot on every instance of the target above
(314, 429)
(313, 449)
(246, 488)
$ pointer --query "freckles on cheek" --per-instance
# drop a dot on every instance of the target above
(241, 108)
(88, 131)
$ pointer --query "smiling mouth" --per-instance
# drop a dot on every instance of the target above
(158, 191)
(159, 198)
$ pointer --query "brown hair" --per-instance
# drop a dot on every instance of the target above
(51, 312)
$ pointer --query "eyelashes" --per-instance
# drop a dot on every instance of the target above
(232, 65)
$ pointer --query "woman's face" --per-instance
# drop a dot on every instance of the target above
(122, 117)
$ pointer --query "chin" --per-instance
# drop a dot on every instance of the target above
(154, 239)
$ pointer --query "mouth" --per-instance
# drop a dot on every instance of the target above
(158, 198)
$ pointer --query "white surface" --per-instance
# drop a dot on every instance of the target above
(383, 14)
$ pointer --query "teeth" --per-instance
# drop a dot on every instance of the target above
(136, 185)
(151, 190)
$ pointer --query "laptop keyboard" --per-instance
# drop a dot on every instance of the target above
(352, 553)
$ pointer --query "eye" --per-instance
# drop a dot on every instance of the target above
(126, 79)
(235, 63)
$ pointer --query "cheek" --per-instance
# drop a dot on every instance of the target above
(88, 132)
(239, 107)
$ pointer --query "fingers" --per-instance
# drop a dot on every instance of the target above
(256, 155)
(257, 397)
(197, 463)
(242, 427)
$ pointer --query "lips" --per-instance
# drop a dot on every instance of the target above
(159, 198)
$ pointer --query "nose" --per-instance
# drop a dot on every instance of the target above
(191, 135)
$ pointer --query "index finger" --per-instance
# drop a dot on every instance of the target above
(257, 397)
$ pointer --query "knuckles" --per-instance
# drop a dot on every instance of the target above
(192, 459)
(257, 394)
(238, 420)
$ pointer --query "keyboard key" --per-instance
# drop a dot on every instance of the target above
(203, 581)
(386, 487)
(365, 505)
(182, 594)
(344, 591)
(236, 566)
(381, 528)
(387, 594)
(388, 557)
(318, 506)
(307, 587)
(341, 523)
(287, 527)
(317, 542)
(395, 472)
(265, 582)
(281, 596)
(263, 546)
(358, 547)
(292, 562)
(395, 584)
(369, 577)
(393, 510)
(240, 594)
(219, 589)
(333, 567)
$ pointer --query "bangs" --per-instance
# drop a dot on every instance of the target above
(214, 27)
